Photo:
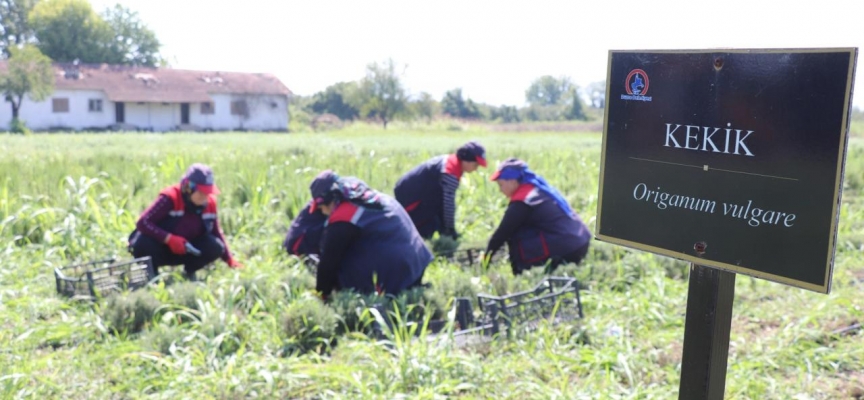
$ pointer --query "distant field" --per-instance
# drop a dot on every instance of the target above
(66, 198)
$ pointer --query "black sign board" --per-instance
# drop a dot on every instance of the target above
(731, 159)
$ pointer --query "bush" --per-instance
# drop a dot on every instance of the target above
(18, 126)
(444, 246)
(456, 283)
(185, 294)
(309, 325)
(415, 304)
(222, 335)
(130, 313)
(297, 282)
(162, 338)
(351, 309)
(255, 290)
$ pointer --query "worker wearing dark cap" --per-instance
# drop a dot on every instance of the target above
(304, 235)
(369, 244)
(539, 226)
(428, 192)
(182, 225)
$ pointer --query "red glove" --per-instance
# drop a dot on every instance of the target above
(234, 263)
(177, 244)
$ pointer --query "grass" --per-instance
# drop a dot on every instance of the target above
(235, 334)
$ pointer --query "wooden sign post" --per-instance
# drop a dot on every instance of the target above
(731, 160)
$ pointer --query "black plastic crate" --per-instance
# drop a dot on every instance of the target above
(553, 297)
(100, 278)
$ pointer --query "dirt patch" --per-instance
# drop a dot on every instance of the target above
(671, 355)
(842, 327)
(851, 384)
(757, 327)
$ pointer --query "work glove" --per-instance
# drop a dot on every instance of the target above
(234, 264)
(177, 244)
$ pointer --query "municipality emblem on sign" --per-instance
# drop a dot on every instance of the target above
(636, 86)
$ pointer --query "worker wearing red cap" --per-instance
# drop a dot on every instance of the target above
(181, 225)
(428, 192)
(539, 226)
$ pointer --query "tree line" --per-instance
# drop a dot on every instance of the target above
(381, 96)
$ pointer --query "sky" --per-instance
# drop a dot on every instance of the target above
(493, 50)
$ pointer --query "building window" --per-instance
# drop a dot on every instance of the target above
(239, 107)
(60, 105)
(94, 105)
(208, 108)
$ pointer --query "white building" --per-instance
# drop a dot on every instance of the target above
(98, 97)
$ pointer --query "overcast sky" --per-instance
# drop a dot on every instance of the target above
(490, 49)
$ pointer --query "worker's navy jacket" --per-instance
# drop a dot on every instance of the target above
(547, 232)
(388, 246)
(428, 194)
(304, 236)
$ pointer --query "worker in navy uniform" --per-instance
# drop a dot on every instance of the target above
(369, 243)
(539, 226)
(428, 192)
(181, 223)
(304, 235)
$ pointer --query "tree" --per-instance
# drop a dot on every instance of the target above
(133, 42)
(29, 73)
(505, 114)
(69, 30)
(548, 91)
(425, 106)
(335, 100)
(573, 106)
(380, 93)
(597, 94)
(14, 27)
(454, 105)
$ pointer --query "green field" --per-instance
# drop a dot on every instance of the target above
(69, 198)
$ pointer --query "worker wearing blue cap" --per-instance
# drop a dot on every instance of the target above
(539, 226)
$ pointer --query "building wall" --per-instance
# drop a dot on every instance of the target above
(153, 116)
(40, 116)
(266, 113)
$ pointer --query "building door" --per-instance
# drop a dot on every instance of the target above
(120, 112)
(184, 113)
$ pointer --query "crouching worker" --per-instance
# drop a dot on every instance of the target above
(304, 235)
(539, 226)
(181, 226)
(428, 192)
(369, 243)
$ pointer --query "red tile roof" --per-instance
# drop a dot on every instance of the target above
(161, 85)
